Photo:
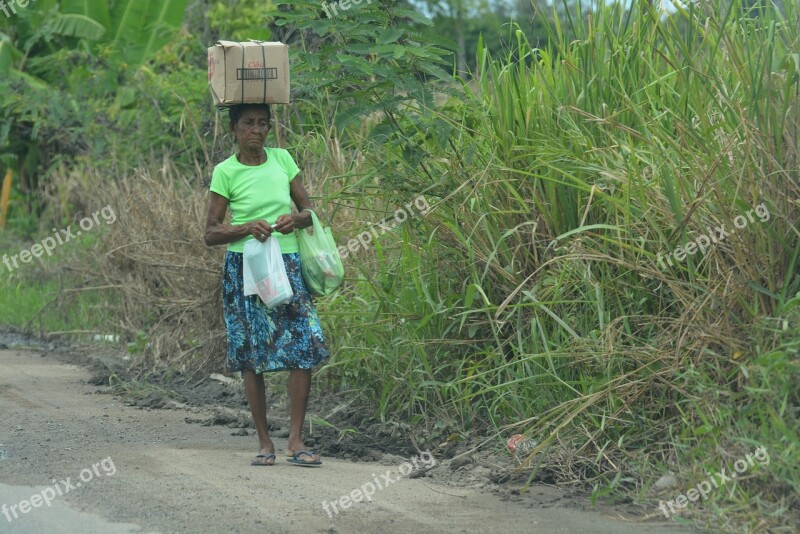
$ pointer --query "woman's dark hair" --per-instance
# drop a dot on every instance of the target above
(235, 112)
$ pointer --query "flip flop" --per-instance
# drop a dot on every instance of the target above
(263, 464)
(295, 459)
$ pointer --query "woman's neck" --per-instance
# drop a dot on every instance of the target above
(247, 156)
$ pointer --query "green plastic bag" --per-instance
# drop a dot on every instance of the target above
(320, 262)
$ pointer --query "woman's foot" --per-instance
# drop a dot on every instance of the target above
(266, 456)
(263, 458)
(301, 454)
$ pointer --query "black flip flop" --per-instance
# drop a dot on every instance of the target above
(297, 461)
(266, 457)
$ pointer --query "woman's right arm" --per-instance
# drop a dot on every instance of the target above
(218, 233)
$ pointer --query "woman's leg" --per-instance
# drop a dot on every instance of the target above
(299, 389)
(257, 398)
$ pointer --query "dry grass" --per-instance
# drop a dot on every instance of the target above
(165, 279)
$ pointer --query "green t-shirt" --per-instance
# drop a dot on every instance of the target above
(258, 192)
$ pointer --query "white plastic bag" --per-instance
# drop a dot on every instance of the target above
(264, 272)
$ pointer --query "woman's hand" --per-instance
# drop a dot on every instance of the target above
(261, 230)
(285, 224)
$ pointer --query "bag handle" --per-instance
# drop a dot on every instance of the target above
(315, 224)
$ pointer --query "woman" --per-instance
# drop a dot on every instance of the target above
(259, 184)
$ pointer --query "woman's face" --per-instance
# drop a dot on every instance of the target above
(252, 129)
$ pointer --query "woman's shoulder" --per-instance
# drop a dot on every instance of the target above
(225, 164)
(277, 152)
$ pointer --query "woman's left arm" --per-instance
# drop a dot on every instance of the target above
(285, 224)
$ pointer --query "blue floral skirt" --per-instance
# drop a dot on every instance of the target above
(287, 337)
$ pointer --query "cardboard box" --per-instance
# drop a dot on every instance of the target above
(254, 72)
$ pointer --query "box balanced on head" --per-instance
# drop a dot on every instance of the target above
(254, 72)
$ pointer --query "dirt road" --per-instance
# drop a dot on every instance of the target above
(107, 467)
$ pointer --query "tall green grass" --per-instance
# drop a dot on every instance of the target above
(531, 298)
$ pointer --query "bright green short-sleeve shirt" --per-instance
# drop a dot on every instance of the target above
(258, 192)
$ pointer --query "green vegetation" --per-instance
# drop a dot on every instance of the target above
(41, 296)
(536, 295)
